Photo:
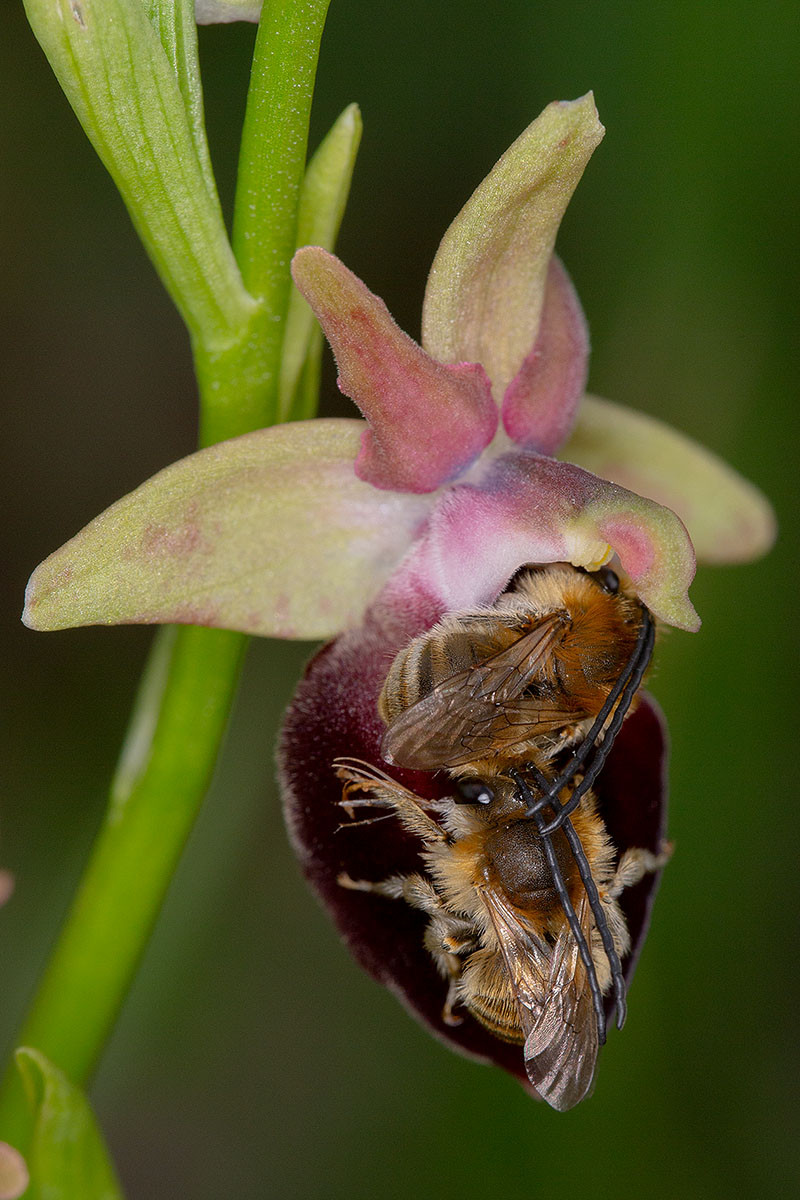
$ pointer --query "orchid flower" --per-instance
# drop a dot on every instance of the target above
(371, 531)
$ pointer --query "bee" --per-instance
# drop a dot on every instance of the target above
(518, 705)
(524, 679)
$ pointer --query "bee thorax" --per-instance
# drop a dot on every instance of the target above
(516, 858)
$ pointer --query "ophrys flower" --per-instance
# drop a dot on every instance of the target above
(378, 531)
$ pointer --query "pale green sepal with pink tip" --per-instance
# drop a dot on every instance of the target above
(486, 288)
(270, 534)
(729, 520)
(427, 422)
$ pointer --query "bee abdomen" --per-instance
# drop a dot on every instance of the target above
(498, 1014)
(426, 663)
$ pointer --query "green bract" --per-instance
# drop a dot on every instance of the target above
(140, 104)
(67, 1159)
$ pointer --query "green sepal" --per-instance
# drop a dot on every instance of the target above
(271, 533)
(729, 520)
(323, 199)
(67, 1158)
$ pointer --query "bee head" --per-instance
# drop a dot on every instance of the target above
(472, 791)
(608, 580)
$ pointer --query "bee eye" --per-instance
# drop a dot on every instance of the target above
(608, 579)
(472, 791)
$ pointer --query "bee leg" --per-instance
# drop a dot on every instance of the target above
(449, 965)
(361, 885)
(363, 791)
(634, 865)
(416, 890)
(448, 1016)
(447, 939)
(396, 887)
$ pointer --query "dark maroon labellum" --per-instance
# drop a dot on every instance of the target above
(334, 714)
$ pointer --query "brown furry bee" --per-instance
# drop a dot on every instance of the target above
(525, 678)
(519, 705)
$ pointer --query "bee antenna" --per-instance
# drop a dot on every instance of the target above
(595, 903)
(623, 691)
(566, 902)
(601, 921)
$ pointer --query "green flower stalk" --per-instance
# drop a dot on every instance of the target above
(130, 72)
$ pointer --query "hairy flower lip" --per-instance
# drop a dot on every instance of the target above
(334, 714)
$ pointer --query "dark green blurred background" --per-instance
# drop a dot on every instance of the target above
(252, 1058)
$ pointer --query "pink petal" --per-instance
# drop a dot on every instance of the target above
(485, 292)
(427, 422)
(270, 533)
(541, 401)
(14, 1178)
(531, 509)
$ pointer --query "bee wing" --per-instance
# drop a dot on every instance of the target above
(478, 709)
(554, 1003)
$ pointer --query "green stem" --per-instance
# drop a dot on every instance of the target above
(271, 167)
(186, 693)
(191, 677)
